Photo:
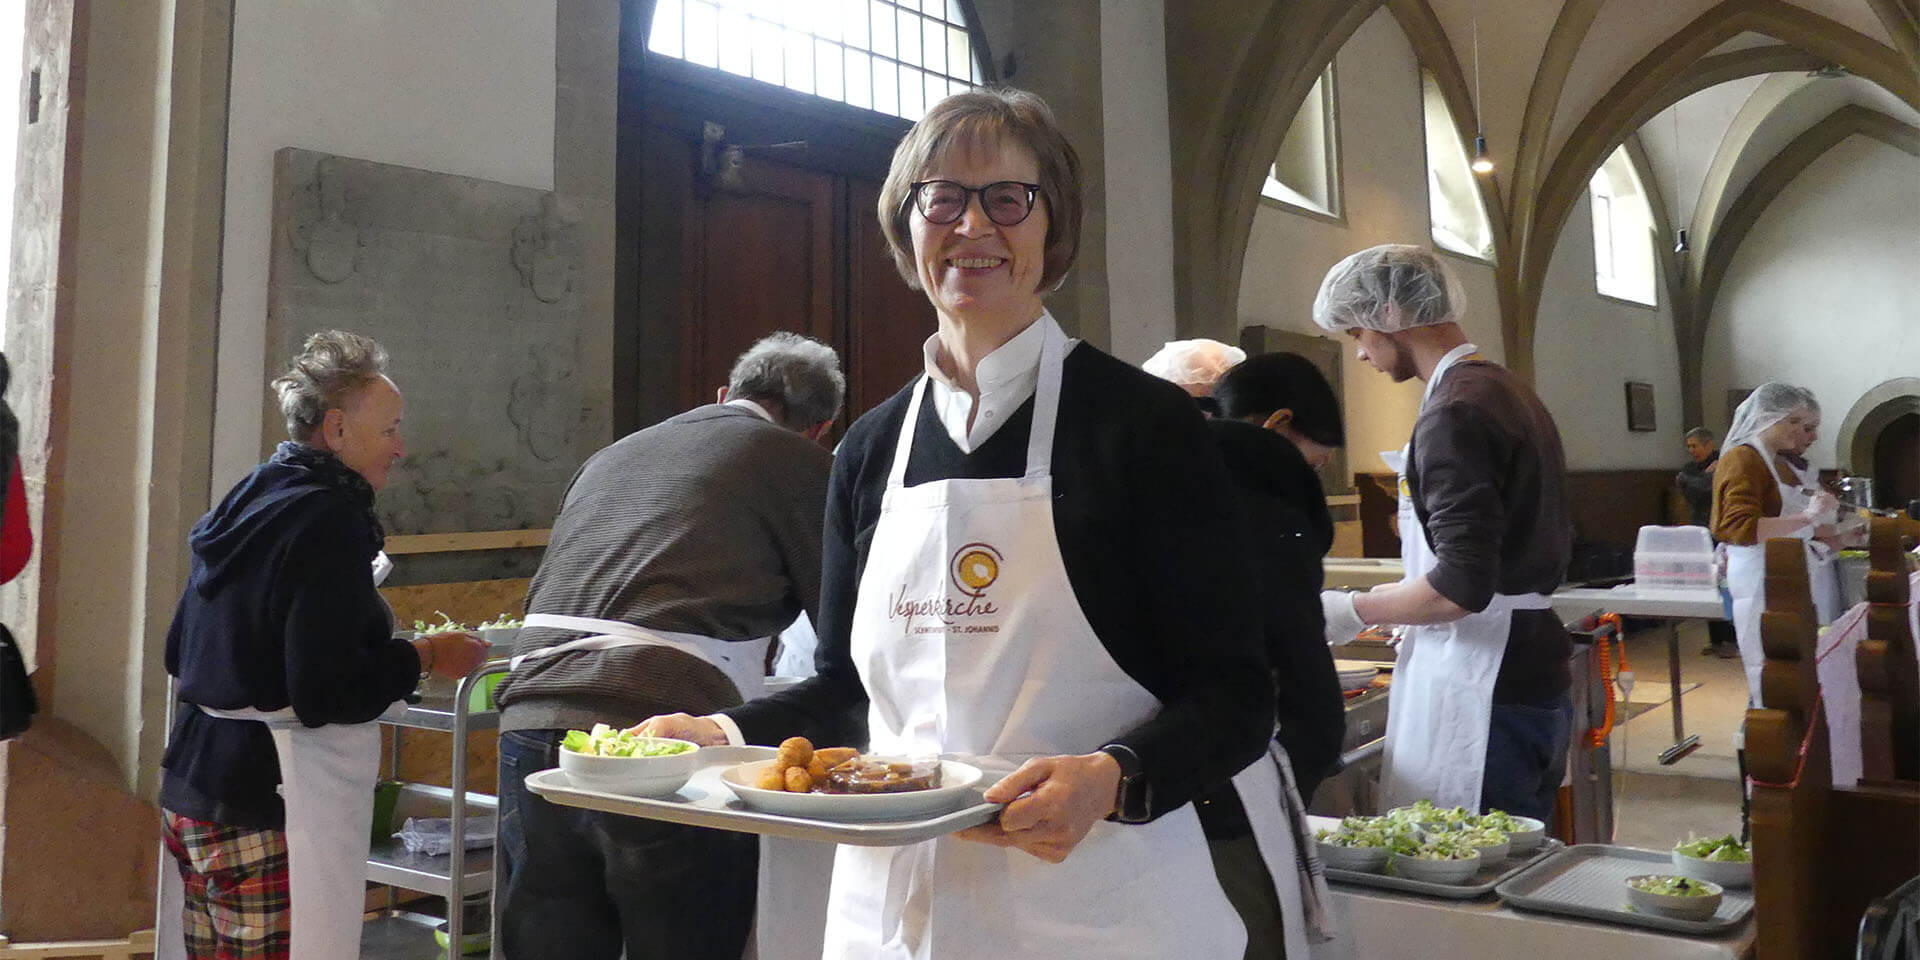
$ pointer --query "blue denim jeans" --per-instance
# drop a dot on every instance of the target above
(583, 885)
(1527, 757)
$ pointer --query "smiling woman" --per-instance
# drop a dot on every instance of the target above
(1051, 655)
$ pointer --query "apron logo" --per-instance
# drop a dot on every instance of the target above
(974, 568)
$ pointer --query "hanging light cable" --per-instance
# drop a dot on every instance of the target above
(1482, 161)
(1680, 244)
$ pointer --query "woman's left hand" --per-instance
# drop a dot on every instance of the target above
(1051, 804)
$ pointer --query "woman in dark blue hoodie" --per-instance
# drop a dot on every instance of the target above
(284, 653)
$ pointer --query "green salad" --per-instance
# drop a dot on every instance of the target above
(1670, 886)
(501, 622)
(1502, 821)
(605, 741)
(1483, 835)
(1727, 849)
(1443, 846)
(447, 624)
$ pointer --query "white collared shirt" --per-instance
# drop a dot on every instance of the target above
(1006, 378)
(755, 407)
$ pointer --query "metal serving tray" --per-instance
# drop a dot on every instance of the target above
(1479, 885)
(706, 802)
(1588, 880)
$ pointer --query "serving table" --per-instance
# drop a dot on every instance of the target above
(1667, 604)
(1381, 925)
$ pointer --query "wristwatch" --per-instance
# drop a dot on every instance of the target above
(1133, 798)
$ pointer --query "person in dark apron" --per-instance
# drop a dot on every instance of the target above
(1030, 561)
(285, 654)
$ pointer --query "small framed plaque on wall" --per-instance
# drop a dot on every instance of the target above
(1640, 418)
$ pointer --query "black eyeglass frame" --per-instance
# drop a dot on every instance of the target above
(915, 192)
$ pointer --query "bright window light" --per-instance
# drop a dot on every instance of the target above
(1306, 171)
(894, 56)
(1453, 198)
(1623, 263)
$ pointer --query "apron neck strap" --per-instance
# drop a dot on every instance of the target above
(1462, 352)
(1046, 409)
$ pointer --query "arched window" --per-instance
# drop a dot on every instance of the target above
(1623, 264)
(894, 56)
(1306, 171)
(1453, 198)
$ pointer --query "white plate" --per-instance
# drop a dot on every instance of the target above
(1355, 666)
(957, 781)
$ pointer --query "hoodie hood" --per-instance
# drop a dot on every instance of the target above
(253, 519)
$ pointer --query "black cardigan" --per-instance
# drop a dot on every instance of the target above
(1151, 546)
(279, 610)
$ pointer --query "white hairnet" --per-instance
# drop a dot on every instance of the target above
(1389, 288)
(1769, 404)
(1194, 362)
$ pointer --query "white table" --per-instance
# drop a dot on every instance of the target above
(1671, 604)
(1379, 925)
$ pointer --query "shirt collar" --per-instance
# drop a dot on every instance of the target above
(755, 407)
(1010, 360)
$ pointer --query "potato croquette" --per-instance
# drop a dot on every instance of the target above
(799, 780)
(835, 756)
(772, 778)
(817, 767)
(795, 752)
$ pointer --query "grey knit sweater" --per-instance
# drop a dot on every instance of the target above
(707, 523)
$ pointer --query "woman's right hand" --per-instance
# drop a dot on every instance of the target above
(682, 726)
(451, 655)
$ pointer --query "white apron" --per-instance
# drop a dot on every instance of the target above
(327, 776)
(969, 641)
(1747, 575)
(1440, 705)
(790, 898)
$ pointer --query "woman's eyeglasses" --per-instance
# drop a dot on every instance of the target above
(1007, 203)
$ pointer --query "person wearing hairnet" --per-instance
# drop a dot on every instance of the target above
(1195, 366)
(1756, 498)
(1479, 714)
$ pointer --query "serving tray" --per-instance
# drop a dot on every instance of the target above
(1479, 885)
(1588, 880)
(705, 802)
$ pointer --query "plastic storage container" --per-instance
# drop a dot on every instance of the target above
(1674, 557)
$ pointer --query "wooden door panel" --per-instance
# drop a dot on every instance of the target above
(887, 321)
(764, 262)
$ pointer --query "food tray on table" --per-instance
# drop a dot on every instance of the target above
(706, 802)
(1589, 880)
(1479, 885)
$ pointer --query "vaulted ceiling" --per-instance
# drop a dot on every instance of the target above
(1561, 84)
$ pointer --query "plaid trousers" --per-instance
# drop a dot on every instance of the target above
(237, 902)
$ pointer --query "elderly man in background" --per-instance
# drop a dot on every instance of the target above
(1695, 481)
(1480, 715)
(1195, 366)
(678, 551)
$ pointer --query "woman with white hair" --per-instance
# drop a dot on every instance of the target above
(1756, 498)
(285, 655)
(1195, 366)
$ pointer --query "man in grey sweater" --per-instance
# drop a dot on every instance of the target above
(677, 550)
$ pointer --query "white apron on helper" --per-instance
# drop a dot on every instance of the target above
(969, 640)
(790, 897)
(327, 775)
(1440, 705)
(1747, 574)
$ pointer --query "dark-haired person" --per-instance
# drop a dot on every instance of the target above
(1108, 666)
(285, 654)
(1277, 420)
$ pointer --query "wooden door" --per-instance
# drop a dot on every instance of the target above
(887, 321)
(1896, 462)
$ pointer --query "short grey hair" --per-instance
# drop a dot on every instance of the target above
(1701, 434)
(799, 373)
(331, 365)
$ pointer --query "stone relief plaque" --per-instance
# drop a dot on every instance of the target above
(475, 289)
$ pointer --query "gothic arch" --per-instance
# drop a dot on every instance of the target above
(1870, 414)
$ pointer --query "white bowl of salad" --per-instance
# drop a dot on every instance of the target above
(1359, 844)
(1722, 860)
(1682, 898)
(1524, 834)
(1444, 857)
(615, 761)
